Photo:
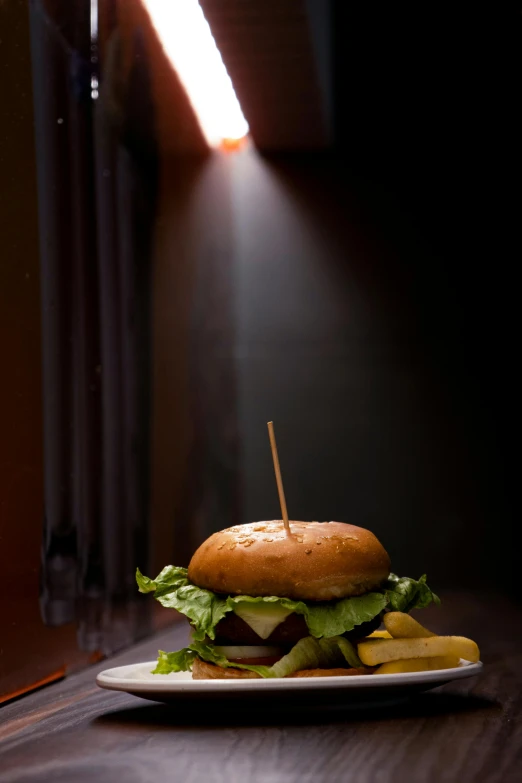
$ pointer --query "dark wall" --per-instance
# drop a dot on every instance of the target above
(331, 346)
(379, 302)
(427, 117)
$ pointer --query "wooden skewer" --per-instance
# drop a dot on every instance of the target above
(279, 480)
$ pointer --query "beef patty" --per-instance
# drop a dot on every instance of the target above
(232, 630)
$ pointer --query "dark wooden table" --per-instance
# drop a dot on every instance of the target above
(73, 732)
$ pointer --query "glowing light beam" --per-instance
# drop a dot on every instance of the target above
(188, 43)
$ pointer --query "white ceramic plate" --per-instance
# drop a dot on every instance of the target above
(358, 690)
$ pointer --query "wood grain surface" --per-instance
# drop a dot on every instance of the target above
(464, 732)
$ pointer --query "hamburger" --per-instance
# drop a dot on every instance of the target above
(265, 602)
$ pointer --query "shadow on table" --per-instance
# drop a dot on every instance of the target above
(232, 714)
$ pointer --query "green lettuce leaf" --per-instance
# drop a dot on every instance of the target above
(173, 589)
(308, 653)
(180, 661)
(404, 594)
(145, 585)
(324, 619)
(336, 618)
(183, 660)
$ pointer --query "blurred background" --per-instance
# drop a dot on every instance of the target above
(328, 239)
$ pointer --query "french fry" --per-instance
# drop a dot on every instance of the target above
(376, 651)
(380, 635)
(418, 665)
(402, 626)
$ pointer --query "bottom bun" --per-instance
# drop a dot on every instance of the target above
(209, 671)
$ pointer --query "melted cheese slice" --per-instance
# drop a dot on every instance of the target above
(262, 618)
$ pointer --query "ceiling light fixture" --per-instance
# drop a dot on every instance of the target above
(188, 43)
